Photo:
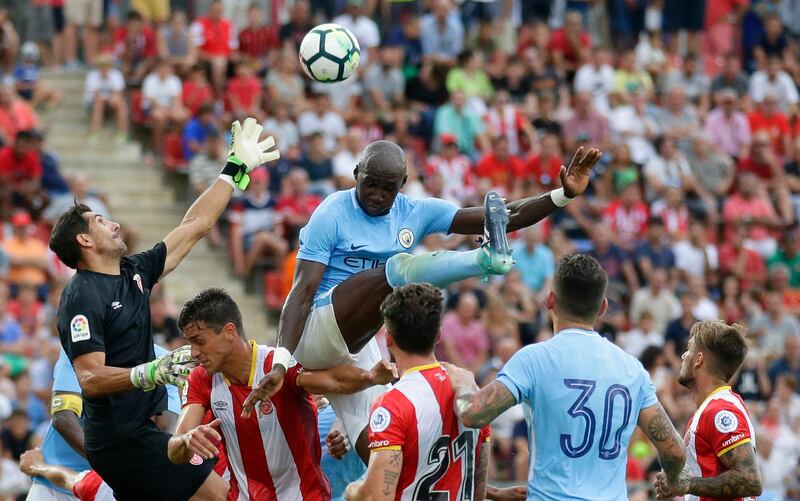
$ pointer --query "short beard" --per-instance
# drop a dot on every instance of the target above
(686, 381)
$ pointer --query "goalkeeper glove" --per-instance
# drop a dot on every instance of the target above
(171, 368)
(247, 153)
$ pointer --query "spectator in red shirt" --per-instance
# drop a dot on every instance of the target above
(737, 260)
(627, 216)
(764, 164)
(453, 168)
(15, 115)
(216, 38)
(21, 173)
(196, 90)
(768, 118)
(258, 41)
(244, 93)
(296, 203)
(749, 206)
(570, 45)
(135, 47)
(541, 172)
(500, 166)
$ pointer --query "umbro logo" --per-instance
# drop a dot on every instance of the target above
(220, 405)
(116, 305)
(354, 247)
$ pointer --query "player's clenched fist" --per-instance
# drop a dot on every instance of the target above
(667, 490)
(171, 368)
(203, 439)
(384, 372)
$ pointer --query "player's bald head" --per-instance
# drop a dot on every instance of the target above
(383, 158)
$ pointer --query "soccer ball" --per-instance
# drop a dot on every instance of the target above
(329, 53)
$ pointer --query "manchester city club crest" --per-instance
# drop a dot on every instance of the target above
(406, 238)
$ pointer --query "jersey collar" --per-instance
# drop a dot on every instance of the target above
(573, 330)
(420, 368)
(718, 390)
(254, 355)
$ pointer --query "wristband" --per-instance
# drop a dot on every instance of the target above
(235, 173)
(139, 377)
(559, 198)
(282, 357)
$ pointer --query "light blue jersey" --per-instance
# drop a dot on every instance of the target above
(582, 396)
(55, 449)
(173, 395)
(343, 237)
(340, 472)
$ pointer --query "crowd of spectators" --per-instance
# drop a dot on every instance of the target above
(692, 211)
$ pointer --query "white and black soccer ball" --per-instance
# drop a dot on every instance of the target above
(329, 53)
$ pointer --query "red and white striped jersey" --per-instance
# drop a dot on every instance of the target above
(719, 424)
(90, 487)
(417, 417)
(274, 455)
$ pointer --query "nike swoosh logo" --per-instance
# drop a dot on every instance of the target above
(354, 247)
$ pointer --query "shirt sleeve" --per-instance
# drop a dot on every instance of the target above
(389, 422)
(648, 390)
(518, 375)
(81, 325)
(150, 263)
(197, 389)
(318, 237)
(64, 378)
(723, 426)
(438, 215)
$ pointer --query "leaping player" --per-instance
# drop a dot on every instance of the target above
(356, 249)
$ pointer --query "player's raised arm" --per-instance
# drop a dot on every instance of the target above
(307, 277)
(529, 211)
(478, 407)
(346, 379)
(248, 153)
(383, 473)
(655, 423)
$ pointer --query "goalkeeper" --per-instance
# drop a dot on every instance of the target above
(104, 325)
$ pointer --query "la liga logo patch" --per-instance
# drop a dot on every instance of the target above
(79, 328)
(726, 421)
(380, 420)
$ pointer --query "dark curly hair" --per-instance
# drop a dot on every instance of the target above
(413, 314)
(63, 238)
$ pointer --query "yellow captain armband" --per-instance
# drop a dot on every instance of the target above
(66, 402)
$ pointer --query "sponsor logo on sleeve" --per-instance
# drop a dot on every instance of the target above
(196, 460)
(380, 420)
(733, 439)
(79, 328)
(378, 443)
(725, 421)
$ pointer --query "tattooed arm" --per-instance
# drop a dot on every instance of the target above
(655, 423)
(742, 479)
(481, 470)
(380, 483)
(475, 407)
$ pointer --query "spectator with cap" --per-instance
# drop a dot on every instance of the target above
(21, 173)
(441, 32)
(103, 91)
(27, 255)
(256, 227)
(727, 126)
(15, 114)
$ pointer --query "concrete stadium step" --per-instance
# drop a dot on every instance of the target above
(143, 198)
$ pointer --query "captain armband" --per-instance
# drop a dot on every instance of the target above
(66, 402)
